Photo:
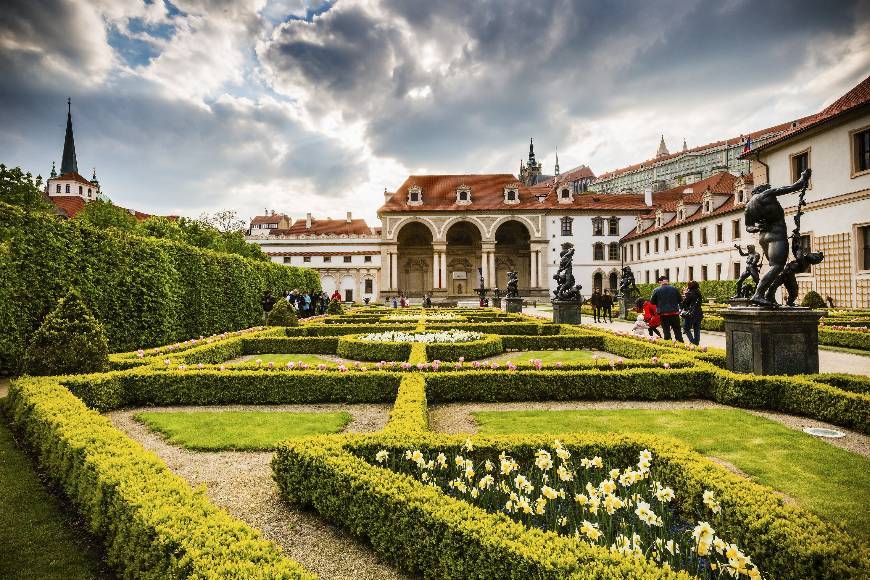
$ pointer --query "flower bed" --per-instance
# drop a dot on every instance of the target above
(449, 336)
(396, 345)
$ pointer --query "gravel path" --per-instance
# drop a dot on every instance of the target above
(457, 418)
(241, 483)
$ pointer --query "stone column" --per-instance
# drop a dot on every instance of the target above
(484, 264)
(444, 282)
(394, 270)
(533, 279)
(492, 273)
(487, 262)
(436, 273)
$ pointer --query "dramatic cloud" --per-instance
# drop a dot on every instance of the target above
(309, 105)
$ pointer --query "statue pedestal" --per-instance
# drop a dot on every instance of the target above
(626, 305)
(782, 341)
(514, 305)
(496, 302)
(566, 311)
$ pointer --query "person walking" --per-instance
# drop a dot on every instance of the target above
(336, 295)
(692, 312)
(666, 299)
(606, 307)
(595, 300)
(395, 302)
(324, 302)
(650, 316)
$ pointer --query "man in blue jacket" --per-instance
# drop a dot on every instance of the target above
(667, 302)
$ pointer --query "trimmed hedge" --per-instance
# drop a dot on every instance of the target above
(152, 523)
(353, 348)
(145, 291)
(845, 338)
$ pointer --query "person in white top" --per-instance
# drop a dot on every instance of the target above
(640, 328)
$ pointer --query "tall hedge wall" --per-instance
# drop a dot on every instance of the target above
(145, 291)
(718, 290)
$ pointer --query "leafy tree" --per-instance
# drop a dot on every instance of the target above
(282, 314)
(163, 227)
(70, 340)
(105, 214)
(813, 299)
(21, 189)
(224, 221)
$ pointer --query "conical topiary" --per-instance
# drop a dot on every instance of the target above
(282, 314)
(813, 299)
(334, 307)
(70, 340)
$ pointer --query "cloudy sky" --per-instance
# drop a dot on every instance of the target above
(305, 105)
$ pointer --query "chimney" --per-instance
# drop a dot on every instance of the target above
(647, 197)
(308, 221)
(348, 219)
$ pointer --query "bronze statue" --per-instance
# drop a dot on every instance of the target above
(628, 285)
(802, 260)
(564, 277)
(753, 263)
(765, 215)
(513, 285)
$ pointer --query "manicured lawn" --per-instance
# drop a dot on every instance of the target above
(37, 539)
(239, 430)
(283, 359)
(549, 356)
(828, 480)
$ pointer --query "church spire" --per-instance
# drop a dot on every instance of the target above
(532, 151)
(663, 149)
(557, 162)
(68, 163)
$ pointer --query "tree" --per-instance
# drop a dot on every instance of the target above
(21, 189)
(163, 227)
(70, 340)
(282, 314)
(105, 214)
(224, 221)
(813, 299)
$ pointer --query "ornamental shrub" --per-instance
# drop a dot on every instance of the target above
(69, 341)
(334, 307)
(813, 299)
(282, 315)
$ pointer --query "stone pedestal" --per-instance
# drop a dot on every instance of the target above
(514, 305)
(782, 341)
(496, 303)
(626, 305)
(566, 311)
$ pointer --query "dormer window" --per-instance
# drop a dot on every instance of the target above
(681, 214)
(511, 195)
(415, 195)
(740, 198)
(463, 195)
(707, 203)
(565, 195)
(67, 188)
(659, 218)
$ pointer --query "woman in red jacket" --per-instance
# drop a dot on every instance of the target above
(650, 316)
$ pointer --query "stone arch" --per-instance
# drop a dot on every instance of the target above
(481, 229)
(464, 245)
(414, 260)
(412, 220)
(530, 226)
(327, 282)
(613, 281)
(513, 252)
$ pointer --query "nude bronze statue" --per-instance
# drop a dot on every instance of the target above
(764, 215)
(564, 277)
(753, 263)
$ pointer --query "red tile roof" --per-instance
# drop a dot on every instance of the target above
(732, 141)
(269, 219)
(354, 253)
(328, 228)
(71, 205)
(487, 194)
(580, 172)
(73, 176)
(721, 183)
(855, 99)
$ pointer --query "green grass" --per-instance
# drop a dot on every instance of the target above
(547, 356)
(239, 430)
(283, 359)
(827, 480)
(845, 349)
(37, 539)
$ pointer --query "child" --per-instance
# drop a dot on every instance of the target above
(640, 328)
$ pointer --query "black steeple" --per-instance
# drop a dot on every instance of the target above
(531, 151)
(68, 163)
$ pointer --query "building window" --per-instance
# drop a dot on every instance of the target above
(327, 259)
(691, 273)
(566, 194)
(631, 252)
(861, 151)
(703, 273)
(667, 243)
(598, 251)
(799, 163)
(646, 277)
(736, 270)
(676, 241)
(57, 188)
(690, 239)
(668, 273)
(369, 286)
(704, 237)
(347, 259)
(463, 196)
(806, 248)
(864, 236)
(597, 226)
(613, 251)
(414, 196)
(735, 230)
(288, 260)
(367, 259)
(81, 190)
(613, 226)
(646, 243)
(657, 275)
(638, 250)
(306, 259)
(67, 188)
(718, 271)
(706, 207)
(614, 282)
(656, 245)
(89, 192)
(719, 235)
(740, 196)
(566, 225)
